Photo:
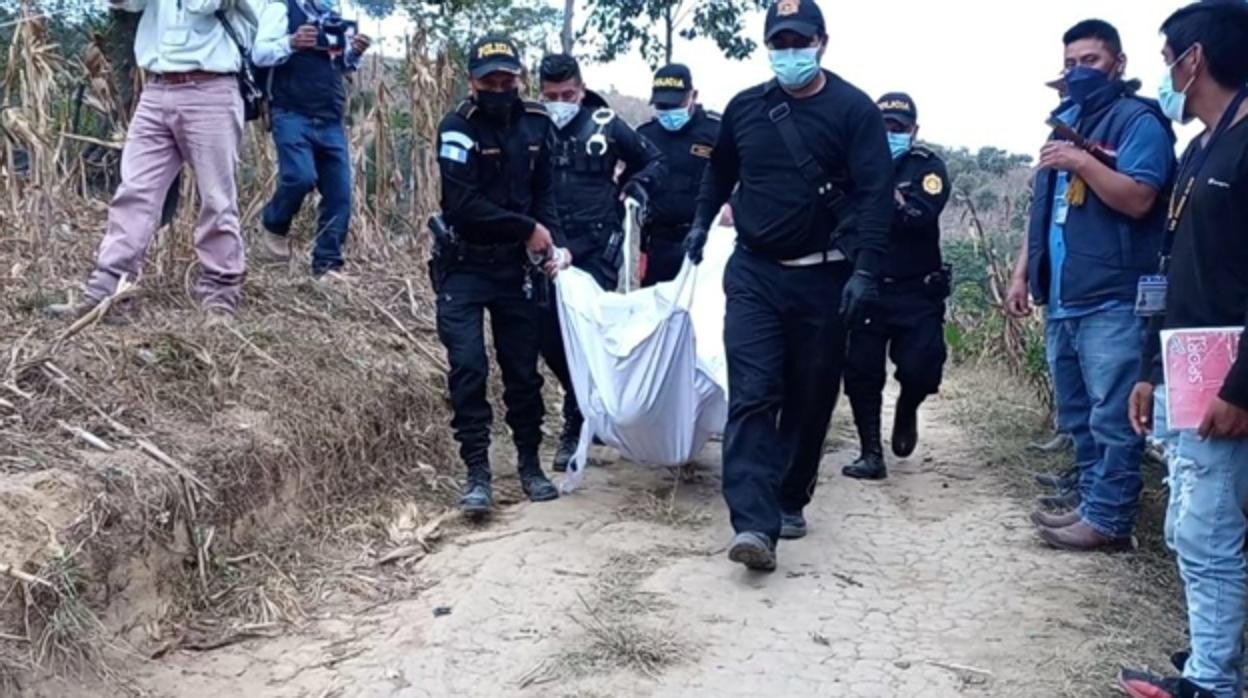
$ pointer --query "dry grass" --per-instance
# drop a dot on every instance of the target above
(258, 467)
(621, 630)
(1136, 617)
(667, 507)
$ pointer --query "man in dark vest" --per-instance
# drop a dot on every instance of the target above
(590, 143)
(686, 134)
(1097, 217)
(307, 48)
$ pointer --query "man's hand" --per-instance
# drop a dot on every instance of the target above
(633, 190)
(558, 260)
(1017, 300)
(360, 44)
(860, 294)
(304, 38)
(725, 216)
(901, 200)
(540, 241)
(1140, 408)
(695, 242)
(1224, 421)
(1064, 156)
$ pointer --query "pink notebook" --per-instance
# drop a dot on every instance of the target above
(1196, 364)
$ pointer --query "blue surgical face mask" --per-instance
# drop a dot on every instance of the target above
(899, 143)
(673, 119)
(562, 113)
(1082, 82)
(1174, 102)
(795, 67)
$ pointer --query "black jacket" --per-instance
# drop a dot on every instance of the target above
(496, 180)
(914, 243)
(777, 210)
(585, 156)
(686, 153)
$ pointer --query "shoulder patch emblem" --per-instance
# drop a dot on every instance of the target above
(933, 184)
(701, 150)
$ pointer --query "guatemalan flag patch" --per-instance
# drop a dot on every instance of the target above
(455, 147)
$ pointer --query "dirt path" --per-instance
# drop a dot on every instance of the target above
(927, 585)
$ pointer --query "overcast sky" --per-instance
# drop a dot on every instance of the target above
(976, 68)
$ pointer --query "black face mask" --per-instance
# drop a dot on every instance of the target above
(498, 105)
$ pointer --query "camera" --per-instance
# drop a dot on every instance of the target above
(334, 35)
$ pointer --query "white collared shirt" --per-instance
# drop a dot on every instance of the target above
(177, 36)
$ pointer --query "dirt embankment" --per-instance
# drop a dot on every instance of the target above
(167, 485)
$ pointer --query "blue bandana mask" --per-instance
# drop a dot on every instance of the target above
(673, 119)
(1082, 82)
(900, 143)
(795, 67)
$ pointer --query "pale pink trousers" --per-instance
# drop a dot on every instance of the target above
(199, 124)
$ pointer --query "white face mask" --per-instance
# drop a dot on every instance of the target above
(562, 113)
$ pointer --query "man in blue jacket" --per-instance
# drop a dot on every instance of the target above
(1096, 228)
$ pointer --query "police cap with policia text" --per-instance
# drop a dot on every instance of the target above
(800, 16)
(494, 54)
(672, 85)
(897, 106)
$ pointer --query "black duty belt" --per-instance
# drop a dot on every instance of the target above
(488, 254)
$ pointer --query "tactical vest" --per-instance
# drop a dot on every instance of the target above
(584, 159)
(308, 83)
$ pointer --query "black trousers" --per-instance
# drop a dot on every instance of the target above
(907, 326)
(664, 258)
(786, 347)
(552, 338)
(466, 293)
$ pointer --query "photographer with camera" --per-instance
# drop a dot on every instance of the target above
(306, 48)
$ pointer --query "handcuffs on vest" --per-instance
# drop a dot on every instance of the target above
(601, 118)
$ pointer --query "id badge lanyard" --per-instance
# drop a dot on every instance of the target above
(1151, 295)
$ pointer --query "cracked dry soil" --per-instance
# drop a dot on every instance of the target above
(929, 584)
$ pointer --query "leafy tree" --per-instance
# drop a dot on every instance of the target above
(614, 27)
(455, 24)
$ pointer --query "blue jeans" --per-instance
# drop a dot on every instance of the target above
(1205, 528)
(312, 153)
(1094, 361)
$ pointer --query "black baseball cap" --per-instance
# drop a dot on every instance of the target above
(801, 16)
(494, 54)
(899, 107)
(672, 84)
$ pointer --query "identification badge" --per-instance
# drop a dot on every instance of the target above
(1150, 298)
(1060, 209)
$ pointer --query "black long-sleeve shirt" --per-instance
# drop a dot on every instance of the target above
(1208, 275)
(776, 210)
(496, 180)
(923, 185)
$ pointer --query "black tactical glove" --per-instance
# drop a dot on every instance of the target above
(695, 241)
(862, 291)
(638, 193)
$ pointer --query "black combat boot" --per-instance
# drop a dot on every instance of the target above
(534, 481)
(569, 439)
(906, 425)
(870, 463)
(478, 495)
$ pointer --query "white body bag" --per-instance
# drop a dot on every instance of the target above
(648, 366)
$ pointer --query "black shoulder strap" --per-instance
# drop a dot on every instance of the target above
(230, 31)
(780, 113)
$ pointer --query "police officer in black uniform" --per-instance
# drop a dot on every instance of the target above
(590, 142)
(805, 160)
(499, 213)
(686, 135)
(908, 322)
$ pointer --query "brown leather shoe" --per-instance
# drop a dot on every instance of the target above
(1080, 537)
(1044, 519)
